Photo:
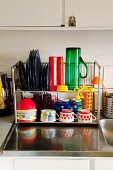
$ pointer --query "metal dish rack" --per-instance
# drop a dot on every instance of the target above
(94, 70)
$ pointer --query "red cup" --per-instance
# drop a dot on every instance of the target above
(52, 73)
(60, 70)
(56, 72)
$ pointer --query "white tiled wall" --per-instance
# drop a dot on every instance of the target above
(15, 45)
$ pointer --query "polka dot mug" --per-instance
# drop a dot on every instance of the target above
(85, 116)
(67, 115)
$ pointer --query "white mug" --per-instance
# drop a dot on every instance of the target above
(48, 115)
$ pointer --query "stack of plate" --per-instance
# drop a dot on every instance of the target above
(33, 70)
(36, 72)
(20, 76)
(33, 75)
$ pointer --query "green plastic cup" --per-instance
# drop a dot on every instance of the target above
(73, 68)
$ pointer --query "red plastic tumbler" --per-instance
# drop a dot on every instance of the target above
(52, 73)
(56, 72)
(60, 70)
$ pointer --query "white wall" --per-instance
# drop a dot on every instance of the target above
(15, 45)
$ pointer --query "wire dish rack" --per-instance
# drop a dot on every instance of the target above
(93, 70)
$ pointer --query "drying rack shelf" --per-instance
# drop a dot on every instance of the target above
(59, 123)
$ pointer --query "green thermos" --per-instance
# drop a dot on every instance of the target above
(73, 68)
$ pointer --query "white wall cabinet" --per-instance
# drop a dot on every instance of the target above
(9, 163)
(30, 13)
(104, 164)
(6, 163)
(56, 163)
(50, 164)
(35, 13)
(90, 13)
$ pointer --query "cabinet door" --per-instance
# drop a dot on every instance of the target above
(50, 164)
(90, 13)
(6, 163)
(30, 13)
(103, 165)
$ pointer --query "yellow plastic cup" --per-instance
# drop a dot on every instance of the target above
(62, 88)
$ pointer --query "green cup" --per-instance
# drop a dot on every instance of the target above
(73, 68)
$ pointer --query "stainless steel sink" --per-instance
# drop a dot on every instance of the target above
(107, 129)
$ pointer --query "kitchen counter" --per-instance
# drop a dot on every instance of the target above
(74, 141)
(5, 125)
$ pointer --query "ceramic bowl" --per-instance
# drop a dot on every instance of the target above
(26, 110)
(26, 115)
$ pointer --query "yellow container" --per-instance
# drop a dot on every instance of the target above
(62, 88)
(87, 101)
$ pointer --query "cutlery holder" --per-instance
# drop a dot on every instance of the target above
(108, 105)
